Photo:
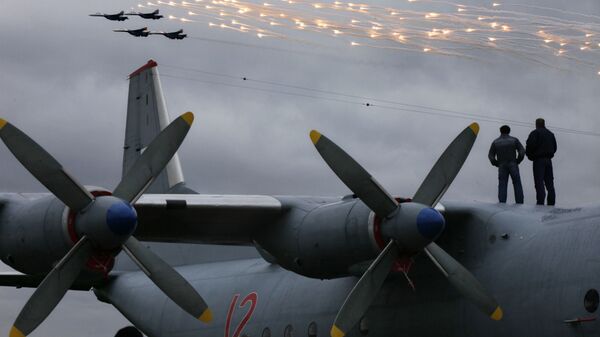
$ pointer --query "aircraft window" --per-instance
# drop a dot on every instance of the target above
(591, 299)
(312, 329)
(266, 332)
(363, 326)
(289, 331)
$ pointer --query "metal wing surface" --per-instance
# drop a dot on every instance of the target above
(19, 280)
(215, 219)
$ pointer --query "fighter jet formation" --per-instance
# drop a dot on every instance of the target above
(142, 32)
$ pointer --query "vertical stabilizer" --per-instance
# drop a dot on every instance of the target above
(146, 116)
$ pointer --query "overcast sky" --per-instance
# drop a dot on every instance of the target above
(63, 81)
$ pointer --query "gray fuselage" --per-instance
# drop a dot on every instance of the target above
(538, 262)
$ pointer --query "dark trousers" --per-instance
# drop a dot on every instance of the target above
(509, 169)
(544, 180)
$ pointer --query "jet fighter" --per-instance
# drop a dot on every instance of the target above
(177, 35)
(142, 32)
(153, 15)
(113, 17)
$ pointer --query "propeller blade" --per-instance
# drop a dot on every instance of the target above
(446, 168)
(168, 280)
(356, 178)
(364, 292)
(154, 159)
(52, 289)
(464, 281)
(44, 167)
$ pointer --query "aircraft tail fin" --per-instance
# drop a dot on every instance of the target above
(146, 116)
(155, 11)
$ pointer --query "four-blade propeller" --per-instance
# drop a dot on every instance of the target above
(104, 223)
(409, 228)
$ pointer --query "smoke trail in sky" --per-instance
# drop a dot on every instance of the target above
(551, 37)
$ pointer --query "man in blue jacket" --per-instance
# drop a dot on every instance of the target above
(541, 146)
(506, 152)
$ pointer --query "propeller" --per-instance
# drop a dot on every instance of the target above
(410, 228)
(354, 176)
(107, 221)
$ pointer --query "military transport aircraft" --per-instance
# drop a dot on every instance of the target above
(142, 32)
(367, 264)
(177, 35)
(113, 17)
(152, 15)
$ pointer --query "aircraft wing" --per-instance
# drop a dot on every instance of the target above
(216, 219)
(18, 280)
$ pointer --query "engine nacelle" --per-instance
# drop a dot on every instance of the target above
(338, 239)
(34, 234)
(325, 241)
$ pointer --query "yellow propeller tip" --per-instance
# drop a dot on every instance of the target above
(206, 316)
(315, 136)
(2, 123)
(475, 128)
(497, 314)
(188, 117)
(336, 332)
(14, 332)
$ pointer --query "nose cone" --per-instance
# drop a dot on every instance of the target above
(430, 223)
(121, 218)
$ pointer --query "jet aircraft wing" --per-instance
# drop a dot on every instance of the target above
(216, 219)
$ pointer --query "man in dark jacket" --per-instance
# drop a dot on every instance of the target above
(506, 152)
(541, 146)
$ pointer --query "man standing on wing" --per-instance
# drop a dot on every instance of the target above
(541, 146)
(506, 152)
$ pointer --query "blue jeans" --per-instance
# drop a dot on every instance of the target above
(504, 170)
(544, 177)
